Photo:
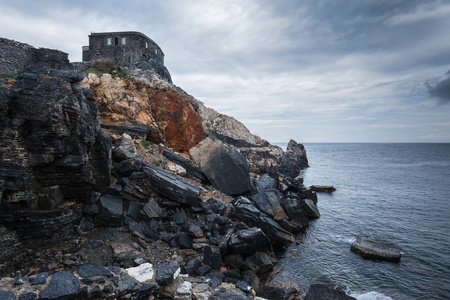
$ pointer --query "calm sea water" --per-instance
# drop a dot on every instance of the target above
(397, 194)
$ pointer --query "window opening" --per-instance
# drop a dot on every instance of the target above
(124, 40)
(108, 41)
(146, 44)
(116, 41)
(156, 50)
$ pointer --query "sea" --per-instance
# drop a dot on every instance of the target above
(398, 194)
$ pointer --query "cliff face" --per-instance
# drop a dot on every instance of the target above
(169, 116)
(50, 135)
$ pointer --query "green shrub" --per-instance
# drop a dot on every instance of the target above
(146, 144)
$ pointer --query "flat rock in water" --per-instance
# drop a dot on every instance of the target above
(322, 188)
(375, 250)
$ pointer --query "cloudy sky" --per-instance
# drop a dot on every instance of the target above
(311, 70)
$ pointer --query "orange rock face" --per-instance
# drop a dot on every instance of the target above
(170, 117)
(175, 115)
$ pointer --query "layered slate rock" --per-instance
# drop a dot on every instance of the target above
(294, 159)
(224, 166)
(64, 285)
(375, 250)
(50, 137)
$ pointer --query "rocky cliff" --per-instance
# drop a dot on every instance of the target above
(95, 202)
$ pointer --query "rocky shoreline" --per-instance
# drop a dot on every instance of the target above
(117, 187)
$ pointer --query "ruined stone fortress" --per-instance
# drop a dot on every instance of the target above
(127, 47)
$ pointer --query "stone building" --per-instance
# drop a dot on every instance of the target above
(127, 47)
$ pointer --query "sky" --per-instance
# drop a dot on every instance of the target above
(308, 70)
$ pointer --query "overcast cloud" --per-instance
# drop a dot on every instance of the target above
(315, 71)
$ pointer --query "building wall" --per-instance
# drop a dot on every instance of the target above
(111, 45)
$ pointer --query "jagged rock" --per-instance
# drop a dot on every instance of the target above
(375, 250)
(134, 210)
(266, 182)
(184, 241)
(202, 270)
(311, 209)
(63, 285)
(248, 241)
(124, 148)
(128, 285)
(268, 201)
(232, 178)
(186, 164)
(260, 262)
(326, 291)
(212, 256)
(152, 209)
(145, 291)
(286, 183)
(179, 217)
(251, 277)
(294, 209)
(110, 211)
(294, 159)
(166, 273)
(234, 261)
(191, 266)
(87, 271)
(245, 211)
(7, 295)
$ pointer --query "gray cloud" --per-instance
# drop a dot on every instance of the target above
(440, 89)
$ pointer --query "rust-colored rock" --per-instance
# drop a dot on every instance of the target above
(169, 116)
(174, 114)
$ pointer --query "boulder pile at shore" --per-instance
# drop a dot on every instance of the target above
(114, 188)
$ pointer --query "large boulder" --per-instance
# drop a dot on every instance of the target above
(224, 166)
(268, 201)
(375, 250)
(294, 159)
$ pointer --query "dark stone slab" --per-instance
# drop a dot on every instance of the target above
(375, 250)
(152, 209)
(311, 209)
(63, 285)
(268, 201)
(172, 186)
(87, 271)
(191, 266)
(40, 278)
(326, 291)
(212, 256)
(110, 211)
(322, 188)
(260, 262)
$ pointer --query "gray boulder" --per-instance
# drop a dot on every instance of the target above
(294, 159)
(224, 166)
(375, 250)
(311, 209)
(63, 285)
(124, 148)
